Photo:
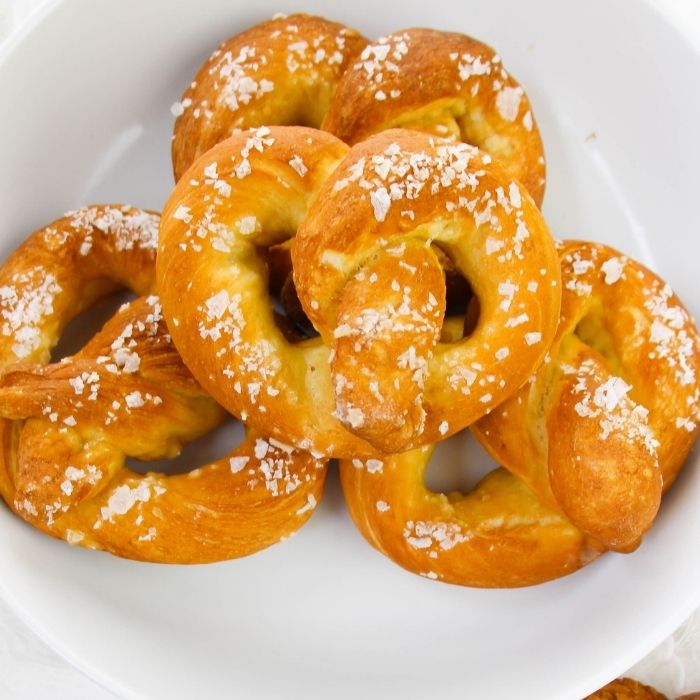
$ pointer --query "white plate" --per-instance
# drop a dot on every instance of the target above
(85, 97)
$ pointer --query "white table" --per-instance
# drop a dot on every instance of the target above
(30, 670)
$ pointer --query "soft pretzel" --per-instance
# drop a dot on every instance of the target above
(283, 71)
(446, 84)
(611, 415)
(214, 284)
(69, 426)
(513, 528)
(626, 689)
(372, 283)
(213, 275)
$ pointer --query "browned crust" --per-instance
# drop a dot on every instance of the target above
(611, 418)
(446, 84)
(282, 71)
(68, 427)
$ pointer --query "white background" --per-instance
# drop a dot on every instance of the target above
(29, 670)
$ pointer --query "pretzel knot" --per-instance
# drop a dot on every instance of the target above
(373, 221)
(446, 84)
(283, 71)
(68, 427)
(585, 444)
(373, 285)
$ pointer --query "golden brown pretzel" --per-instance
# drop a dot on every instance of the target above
(446, 84)
(626, 689)
(612, 415)
(69, 426)
(371, 282)
(283, 71)
(514, 528)
(213, 277)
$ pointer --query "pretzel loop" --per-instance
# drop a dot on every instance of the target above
(65, 267)
(612, 415)
(445, 84)
(283, 71)
(500, 534)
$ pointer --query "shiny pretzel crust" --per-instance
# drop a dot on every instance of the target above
(611, 416)
(446, 84)
(283, 71)
(499, 535)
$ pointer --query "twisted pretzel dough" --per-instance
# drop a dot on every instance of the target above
(445, 84)
(213, 278)
(573, 426)
(62, 269)
(245, 195)
(498, 535)
(372, 284)
(70, 425)
(283, 71)
(614, 412)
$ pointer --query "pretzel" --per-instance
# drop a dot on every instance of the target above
(214, 284)
(69, 426)
(372, 284)
(513, 528)
(283, 71)
(445, 84)
(609, 419)
(626, 689)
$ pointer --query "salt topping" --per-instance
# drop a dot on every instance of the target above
(127, 227)
(237, 464)
(298, 165)
(612, 269)
(433, 535)
(25, 303)
(608, 402)
(124, 498)
(309, 505)
(508, 102)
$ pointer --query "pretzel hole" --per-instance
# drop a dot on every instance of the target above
(592, 331)
(287, 310)
(456, 120)
(198, 453)
(457, 465)
(88, 323)
(462, 305)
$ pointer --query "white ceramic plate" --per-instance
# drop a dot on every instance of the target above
(85, 117)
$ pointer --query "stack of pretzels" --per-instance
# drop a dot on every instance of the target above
(354, 264)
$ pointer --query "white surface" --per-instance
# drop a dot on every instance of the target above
(310, 613)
